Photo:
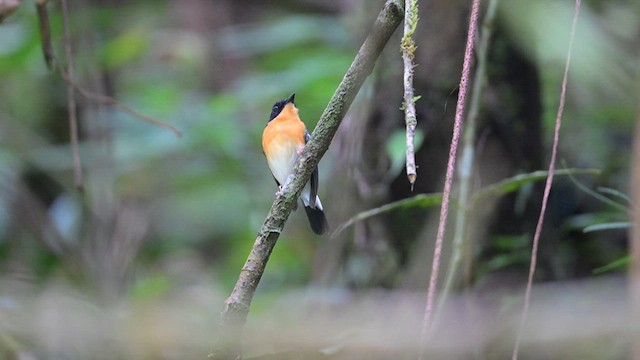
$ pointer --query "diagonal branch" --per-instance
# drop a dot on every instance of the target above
(236, 307)
(108, 100)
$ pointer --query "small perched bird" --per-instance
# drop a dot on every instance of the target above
(283, 140)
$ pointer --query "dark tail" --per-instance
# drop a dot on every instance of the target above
(317, 220)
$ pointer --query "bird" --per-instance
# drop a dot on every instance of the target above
(283, 140)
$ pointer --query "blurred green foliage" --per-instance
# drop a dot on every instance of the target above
(162, 215)
(208, 189)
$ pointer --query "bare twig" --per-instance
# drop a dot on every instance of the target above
(457, 128)
(113, 102)
(408, 47)
(547, 188)
(45, 32)
(236, 307)
(67, 76)
(71, 99)
(465, 166)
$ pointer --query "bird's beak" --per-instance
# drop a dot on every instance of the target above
(291, 98)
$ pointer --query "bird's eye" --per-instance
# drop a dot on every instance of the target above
(275, 108)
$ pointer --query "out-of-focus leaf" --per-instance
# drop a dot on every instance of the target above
(623, 262)
(288, 31)
(125, 48)
(397, 149)
(608, 226)
(19, 48)
(596, 195)
(160, 100)
(298, 74)
(426, 200)
(597, 59)
(420, 200)
(616, 193)
(216, 208)
(149, 288)
(222, 128)
(511, 242)
(503, 260)
(516, 182)
(581, 221)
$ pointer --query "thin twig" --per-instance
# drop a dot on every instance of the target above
(547, 188)
(71, 99)
(237, 306)
(408, 48)
(67, 76)
(45, 32)
(465, 167)
(113, 102)
(457, 128)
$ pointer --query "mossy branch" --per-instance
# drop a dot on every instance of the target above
(237, 306)
(408, 48)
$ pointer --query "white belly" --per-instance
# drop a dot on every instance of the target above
(282, 159)
(281, 163)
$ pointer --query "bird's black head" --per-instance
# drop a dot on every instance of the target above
(277, 107)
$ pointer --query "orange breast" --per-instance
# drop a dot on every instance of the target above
(281, 140)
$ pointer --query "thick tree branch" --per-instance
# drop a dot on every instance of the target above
(236, 307)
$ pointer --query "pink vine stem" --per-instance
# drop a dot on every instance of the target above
(451, 165)
(547, 187)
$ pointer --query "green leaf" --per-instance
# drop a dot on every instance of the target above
(598, 196)
(625, 261)
(607, 226)
(616, 193)
(510, 243)
(516, 182)
(124, 49)
(420, 200)
(427, 200)
(502, 261)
